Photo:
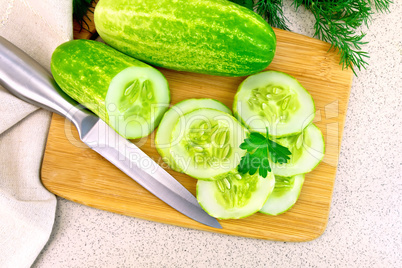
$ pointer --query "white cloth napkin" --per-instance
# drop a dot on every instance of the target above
(27, 209)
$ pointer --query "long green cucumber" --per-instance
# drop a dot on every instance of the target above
(206, 36)
(129, 95)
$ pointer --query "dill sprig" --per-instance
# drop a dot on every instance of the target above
(80, 12)
(272, 12)
(382, 5)
(246, 3)
(337, 22)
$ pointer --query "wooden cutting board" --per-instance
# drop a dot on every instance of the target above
(73, 171)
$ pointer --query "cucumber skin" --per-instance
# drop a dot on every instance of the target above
(84, 69)
(297, 198)
(214, 37)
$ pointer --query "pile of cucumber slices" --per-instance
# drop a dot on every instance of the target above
(201, 138)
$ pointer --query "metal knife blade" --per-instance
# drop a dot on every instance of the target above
(28, 80)
(135, 163)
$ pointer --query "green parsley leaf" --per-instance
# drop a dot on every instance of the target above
(259, 150)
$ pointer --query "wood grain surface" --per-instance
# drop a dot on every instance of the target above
(75, 172)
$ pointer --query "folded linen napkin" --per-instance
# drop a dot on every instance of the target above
(27, 209)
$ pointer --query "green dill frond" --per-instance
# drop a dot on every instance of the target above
(382, 5)
(80, 10)
(336, 23)
(246, 3)
(272, 12)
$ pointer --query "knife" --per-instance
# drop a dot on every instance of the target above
(28, 80)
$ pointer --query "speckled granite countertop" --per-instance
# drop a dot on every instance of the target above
(365, 222)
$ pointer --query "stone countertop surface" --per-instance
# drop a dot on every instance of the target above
(365, 222)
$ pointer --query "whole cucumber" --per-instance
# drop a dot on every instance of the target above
(215, 37)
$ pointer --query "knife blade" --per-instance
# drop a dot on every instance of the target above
(27, 79)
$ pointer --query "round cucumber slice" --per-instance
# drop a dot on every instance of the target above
(205, 143)
(169, 119)
(136, 101)
(275, 100)
(307, 150)
(284, 195)
(234, 196)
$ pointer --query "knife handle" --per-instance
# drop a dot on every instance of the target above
(25, 78)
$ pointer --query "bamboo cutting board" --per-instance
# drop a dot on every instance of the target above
(73, 171)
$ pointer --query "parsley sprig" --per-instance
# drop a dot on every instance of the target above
(259, 150)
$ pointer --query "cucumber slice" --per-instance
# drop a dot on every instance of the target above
(284, 196)
(275, 100)
(164, 132)
(234, 196)
(307, 150)
(205, 143)
(136, 101)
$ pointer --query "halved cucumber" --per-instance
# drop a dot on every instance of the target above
(164, 132)
(234, 196)
(284, 195)
(119, 89)
(205, 143)
(307, 150)
(275, 100)
(136, 101)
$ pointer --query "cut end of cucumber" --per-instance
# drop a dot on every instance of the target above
(169, 120)
(136, 100)
(234, 196)
(284, 195)
(275, 100)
